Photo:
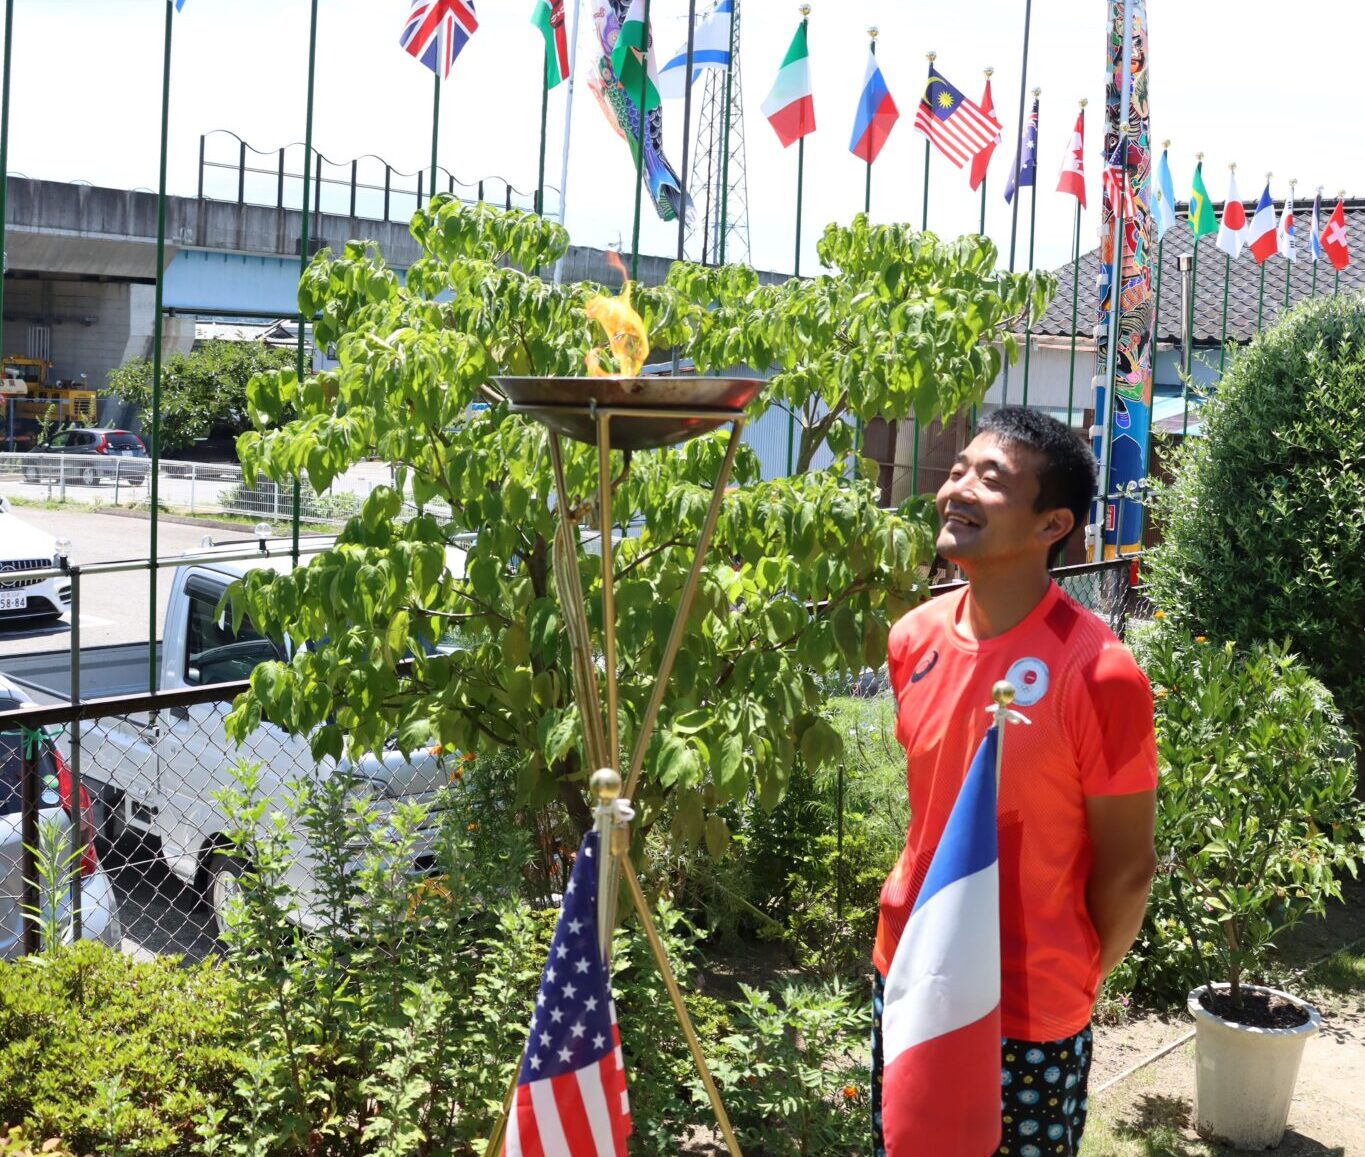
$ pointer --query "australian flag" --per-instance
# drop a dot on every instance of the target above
(436, 31)
(571, 1091)
(1026, 172)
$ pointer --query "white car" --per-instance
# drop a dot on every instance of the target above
(26, 548)
(99, 906)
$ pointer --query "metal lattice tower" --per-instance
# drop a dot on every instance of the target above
(720, 191)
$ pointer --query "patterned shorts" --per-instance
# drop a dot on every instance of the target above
(1042, 1091)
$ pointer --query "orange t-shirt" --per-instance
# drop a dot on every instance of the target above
(1091, 734)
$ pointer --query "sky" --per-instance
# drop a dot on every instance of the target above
(85, 102)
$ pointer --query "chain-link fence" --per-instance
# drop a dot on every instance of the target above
(115, 812)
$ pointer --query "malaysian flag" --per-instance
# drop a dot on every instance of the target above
(1116, 179)
(436, 31)
(571, 1091)
(959, 128)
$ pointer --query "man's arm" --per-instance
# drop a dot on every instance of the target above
(1121, 833)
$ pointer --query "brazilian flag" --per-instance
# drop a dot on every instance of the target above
(1202, 218)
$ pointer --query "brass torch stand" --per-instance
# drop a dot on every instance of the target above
(627, 414)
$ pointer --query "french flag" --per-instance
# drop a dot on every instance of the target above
(877, 113)
(1264, 241)
(941, 1016)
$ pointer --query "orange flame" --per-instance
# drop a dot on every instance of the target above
(627, 339)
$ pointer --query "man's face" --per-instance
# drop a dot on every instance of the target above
(986, 508)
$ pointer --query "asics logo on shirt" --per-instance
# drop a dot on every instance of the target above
(925, 666)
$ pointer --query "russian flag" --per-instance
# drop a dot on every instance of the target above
(877, 112)
(941, 1016)
(1263, 239)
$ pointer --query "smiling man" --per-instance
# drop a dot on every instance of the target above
(1078, 786)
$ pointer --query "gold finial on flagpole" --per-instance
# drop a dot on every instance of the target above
(1037, 92)
(1166, 144)
(1199, 157)
(874, 31)
(606, 784)
(990, 72)
(804, 10)
(931, 56)
(1003, 693)
(1268, 174)
(1085, 100)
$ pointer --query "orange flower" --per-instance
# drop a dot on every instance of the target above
(472, 828)
(467, 757)
(1200, 639)
(850, 1092)
(1158, 615)
(1161, 692)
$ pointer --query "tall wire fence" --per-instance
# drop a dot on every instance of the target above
(113, 820)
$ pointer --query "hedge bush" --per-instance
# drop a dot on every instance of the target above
(1264, 527)
(115, 1056)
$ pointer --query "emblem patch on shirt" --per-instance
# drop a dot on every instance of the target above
(925, 666)
(1029, 677)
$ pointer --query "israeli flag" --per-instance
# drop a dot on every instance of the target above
(710, 49)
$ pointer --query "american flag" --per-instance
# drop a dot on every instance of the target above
(571, 1091)
(1116, 175)
(960, 128)
(436, 31)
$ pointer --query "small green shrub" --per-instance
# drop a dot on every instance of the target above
(1256, 817)
(1263, 531)
(115, 1056)
(16, 1144)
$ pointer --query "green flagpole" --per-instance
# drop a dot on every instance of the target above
(304, 238)
(436, 126)
(153, 490)
(1032, 231)
(1312, 244)
(867, 190)
(640, 150)
(1260, 300)
(1223, 340)
(924, 214)
(1075, 302)
(4, 165)
(800, 182)
(725, 135)
(1288, 264)
(687, 141)
(544, 121)
(982, 227)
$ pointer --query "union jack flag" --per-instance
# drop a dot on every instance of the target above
(571, 1091)
(436, 31)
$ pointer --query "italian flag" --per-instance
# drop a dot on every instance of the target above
(789, 107)
(549, 18)
(632, 59)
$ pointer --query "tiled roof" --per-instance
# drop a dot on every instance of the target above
(1244, 284)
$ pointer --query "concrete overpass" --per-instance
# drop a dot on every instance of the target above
(81, 269)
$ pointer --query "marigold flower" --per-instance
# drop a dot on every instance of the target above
(1158, 615)
(1201, 639)
(850, 1092)
(472, 828)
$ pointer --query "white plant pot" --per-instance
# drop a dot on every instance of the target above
(1245, 1076)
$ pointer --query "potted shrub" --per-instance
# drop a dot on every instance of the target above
(1256, 819)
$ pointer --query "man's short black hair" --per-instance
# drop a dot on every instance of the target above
(1066, 478)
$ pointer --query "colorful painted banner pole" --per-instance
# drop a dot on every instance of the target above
(304, 238)
(725, 135)
(1032, 233)
(4, 172)
(153, 489)
(1123, 383)
(640, 150)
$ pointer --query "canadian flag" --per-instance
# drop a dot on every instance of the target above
(1334, 239)
(1072, 179)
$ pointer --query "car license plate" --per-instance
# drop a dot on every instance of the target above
(125, 453)
(9, 602)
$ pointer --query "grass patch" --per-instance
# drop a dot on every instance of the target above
(1343, 972)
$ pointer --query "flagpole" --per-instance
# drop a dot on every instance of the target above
(725, 136)
(436, 129)
(867, 191)
(1227, 283)
(1187, 264)
(153, 489)
(568, 125)
(800, 182)
(640, 150)
(687, 136)
(984, 176)
(1313, 243)
(924, 215)
(1018, 164)
(1288, 264)
(4, 177)
(1075, 297)
(1336, 273)
(1260, 296)
(1032, 231)
(304, 239)
(544, 127)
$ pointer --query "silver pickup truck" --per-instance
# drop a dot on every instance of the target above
(159, 776)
